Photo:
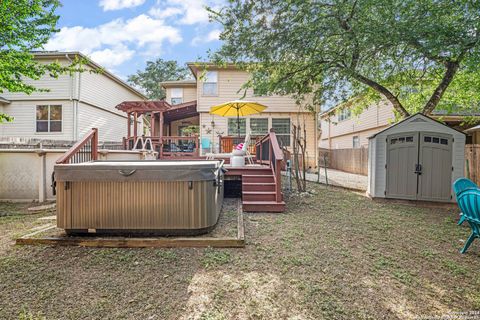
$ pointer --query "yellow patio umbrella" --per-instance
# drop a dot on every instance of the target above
(237, 108)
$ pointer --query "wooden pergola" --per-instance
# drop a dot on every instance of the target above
(157, 111)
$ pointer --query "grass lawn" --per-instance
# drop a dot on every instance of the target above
(333, 255)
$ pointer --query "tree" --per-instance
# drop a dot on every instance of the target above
(25, 26)
(155, 72)
(336, 49)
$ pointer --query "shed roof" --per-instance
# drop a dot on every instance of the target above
(411, 118)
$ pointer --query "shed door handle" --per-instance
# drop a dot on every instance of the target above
(418, 169)
(127, 173)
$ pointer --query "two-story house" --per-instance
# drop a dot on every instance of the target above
(73, 104)
(342, 129)
(188, 103)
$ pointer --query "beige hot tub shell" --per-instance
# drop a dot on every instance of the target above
(139, 197)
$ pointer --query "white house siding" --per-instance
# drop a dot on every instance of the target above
(111, 126)
(24, 125)
(458, 150)
(346, 141)
(340, 133)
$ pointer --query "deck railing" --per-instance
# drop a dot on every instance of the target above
(170, 146)
(84, 150)
(227, 143)
(268, 151)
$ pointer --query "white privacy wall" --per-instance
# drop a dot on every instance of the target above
(26, 173)
(378, 177)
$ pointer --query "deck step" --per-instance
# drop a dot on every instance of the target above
(263, 206)
(258, 186)
(259, 196)
(257, 178)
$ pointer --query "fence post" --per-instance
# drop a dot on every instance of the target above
(95, 144)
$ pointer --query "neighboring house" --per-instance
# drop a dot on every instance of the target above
(213, 86)
(74, 104)
(341, 129)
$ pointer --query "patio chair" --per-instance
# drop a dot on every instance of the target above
(469, 202)
(206, 145)
(246, 144)
(459, 186)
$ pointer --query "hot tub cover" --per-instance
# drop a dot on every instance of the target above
(140, 170)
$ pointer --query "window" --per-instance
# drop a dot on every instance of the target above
(356, 142)
(232, 126)
(49, 118)
(282, 130)
(344, 114)
(258, 126)
(210, 83)
(177, 96)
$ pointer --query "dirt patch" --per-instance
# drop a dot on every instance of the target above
(334, 254)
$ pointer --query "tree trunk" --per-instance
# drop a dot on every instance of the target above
(397, 105)
(452, 68)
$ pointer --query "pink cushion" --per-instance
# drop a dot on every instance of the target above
(239, 146)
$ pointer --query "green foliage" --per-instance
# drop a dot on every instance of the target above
(25, 26)
(156, 72)
(214, 257)
(407, 51)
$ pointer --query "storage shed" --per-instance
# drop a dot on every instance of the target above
(418, 158)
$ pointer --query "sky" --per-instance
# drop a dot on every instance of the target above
(121, 35)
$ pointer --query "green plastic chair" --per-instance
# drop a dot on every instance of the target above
(469, 202)
(461, 185)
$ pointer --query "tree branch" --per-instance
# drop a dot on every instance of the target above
(452, 68)
(384, 91)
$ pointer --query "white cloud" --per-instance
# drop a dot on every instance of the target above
(186, 12)
(119, 4)
(142, 33)
(213, 35)
(111, 57)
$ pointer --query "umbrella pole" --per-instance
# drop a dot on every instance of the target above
(238, 123)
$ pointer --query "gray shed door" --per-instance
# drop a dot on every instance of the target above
(402, 157)
(419, 166)
(434, 183)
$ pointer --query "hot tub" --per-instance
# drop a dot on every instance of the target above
(139, 197)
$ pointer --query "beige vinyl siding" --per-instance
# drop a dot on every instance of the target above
(102, 91)
(111, 126)
(372, 120)
(229, 85)
(189, 93)
(24, 124)
(222, 122)
(346, 141)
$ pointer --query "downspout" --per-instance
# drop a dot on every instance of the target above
(74, 97)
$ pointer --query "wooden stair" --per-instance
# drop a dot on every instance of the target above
(259, 192)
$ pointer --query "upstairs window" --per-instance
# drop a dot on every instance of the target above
(282, 130)
(258, 126)
(49, 118)
(210, 83)
(344, 114)
(233, 127)
(177, 96)
(356, 142)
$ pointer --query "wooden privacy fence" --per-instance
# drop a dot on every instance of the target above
(472, 162)
(348, 160)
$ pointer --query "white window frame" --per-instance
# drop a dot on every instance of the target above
(176, 96)
(211, 78)
(344, 114)
(357, 145)
(284, 134)
(48, 119)
(260, 118)
(233, 120)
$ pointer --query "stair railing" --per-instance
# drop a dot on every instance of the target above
(268, 151)
(84, 150)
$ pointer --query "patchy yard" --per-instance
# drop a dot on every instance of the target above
(333, 255)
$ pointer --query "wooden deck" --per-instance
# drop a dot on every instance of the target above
(258, 188)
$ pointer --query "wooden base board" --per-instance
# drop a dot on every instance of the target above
(124, 242)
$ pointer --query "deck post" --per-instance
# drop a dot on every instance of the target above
(152, 124)
(160, 117)
(129, 129)
(135, 117)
